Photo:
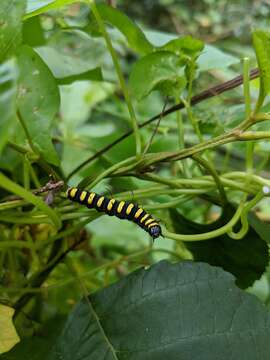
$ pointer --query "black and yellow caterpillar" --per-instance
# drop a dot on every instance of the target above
(121, 209)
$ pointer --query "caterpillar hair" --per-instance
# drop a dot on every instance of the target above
(121, 209)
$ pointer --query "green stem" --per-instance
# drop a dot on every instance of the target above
(42, 163)
(261, 117)
(181, 139)
(192, 119)
(165, 191)
(238, 186)
(244, 220)
(179, 200)
(16, 244)
(40, 219)
(17, 148)
(11, 204)
(120, 76)
(34, 176)
(258, 179)
(247, 97)
(173, 183)
(27, 134)
(207, 165)
(85, 182)
(208, 235)
(254, 135)
(205, 183)
(187, 103)
(26, 175)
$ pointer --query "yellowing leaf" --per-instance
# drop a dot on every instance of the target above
(8, 334)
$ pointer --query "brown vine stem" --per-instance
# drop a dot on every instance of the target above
(50, 186)
(204, 95)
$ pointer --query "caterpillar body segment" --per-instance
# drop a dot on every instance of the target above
(121, 209)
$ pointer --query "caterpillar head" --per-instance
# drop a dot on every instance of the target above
(155, 231)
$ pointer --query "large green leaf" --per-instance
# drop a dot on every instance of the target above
(261, 42)
(38, 101)
(246, 259)
(11, 12)
(181, 311)
(161, 70)
(8, 78)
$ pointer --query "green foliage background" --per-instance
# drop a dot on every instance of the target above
(74, 76)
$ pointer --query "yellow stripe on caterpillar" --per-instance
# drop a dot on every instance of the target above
(149, 221)
(100, 201)
(129, 208)
(153, 224)
(73, 192)
(83, 195)
(91, 198)
(138, 213)
(110, 204)
(144, 218)
(120, 206)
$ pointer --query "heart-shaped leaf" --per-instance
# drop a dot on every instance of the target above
(38, 101)
(246, 259)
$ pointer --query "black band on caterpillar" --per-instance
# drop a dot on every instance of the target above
(121, 209)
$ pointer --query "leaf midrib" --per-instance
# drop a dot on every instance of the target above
(102, 331)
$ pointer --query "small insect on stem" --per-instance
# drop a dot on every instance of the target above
(52, 188)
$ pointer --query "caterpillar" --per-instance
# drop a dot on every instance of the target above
(121, 209)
